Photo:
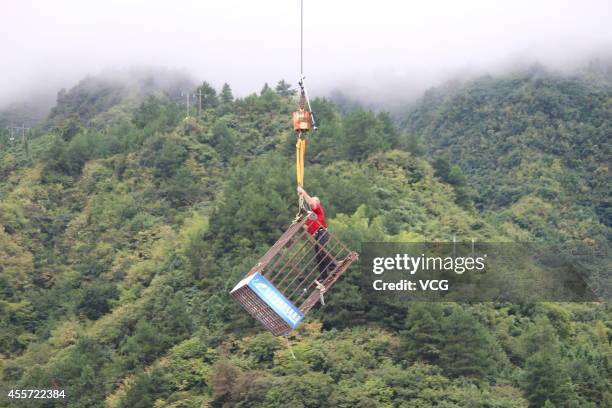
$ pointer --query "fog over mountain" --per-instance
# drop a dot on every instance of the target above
(372, 51)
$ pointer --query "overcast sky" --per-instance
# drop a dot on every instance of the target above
(367, 44)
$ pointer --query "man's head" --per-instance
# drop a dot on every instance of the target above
(317, 200)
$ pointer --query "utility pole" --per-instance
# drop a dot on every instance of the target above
(186, 95)
(199, 101)
(11, 130)
(23, 129)
(24, 138)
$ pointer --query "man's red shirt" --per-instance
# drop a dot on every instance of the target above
(314, 224)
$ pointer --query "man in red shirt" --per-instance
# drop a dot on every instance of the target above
(316, 225)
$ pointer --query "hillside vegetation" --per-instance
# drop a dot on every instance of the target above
(124, 228)
(531, 150)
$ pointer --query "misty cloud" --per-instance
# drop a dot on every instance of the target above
(369, 47)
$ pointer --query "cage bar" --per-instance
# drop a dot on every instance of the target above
(291, 277)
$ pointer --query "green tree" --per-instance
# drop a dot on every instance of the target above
(546, 378)
(223, 380)
(142, 347)
(147, 112)
(208, 95)
(284, 89)
(468, 348)
(181, 188)
(146, 388)
(95, 299)
(545, 375)
(311, 390)
(253, 211)
(423, 338)
(365, 133)
(226, 95)
(223, 140)
(166, 155)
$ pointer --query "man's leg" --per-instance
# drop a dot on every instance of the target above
(324, 262)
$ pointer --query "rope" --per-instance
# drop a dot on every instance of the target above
(297, 218)
(286, 336)
(300, 153)
(322, 290)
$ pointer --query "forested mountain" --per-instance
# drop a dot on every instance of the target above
(130, 219)
(101, 100)
(530, 149)
(530, 134)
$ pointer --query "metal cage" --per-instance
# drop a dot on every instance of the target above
(292, 277)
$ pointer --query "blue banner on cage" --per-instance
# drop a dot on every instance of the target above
(273, 298)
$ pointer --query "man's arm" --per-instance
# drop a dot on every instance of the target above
(309, 200)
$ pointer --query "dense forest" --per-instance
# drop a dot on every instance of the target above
(125, 220)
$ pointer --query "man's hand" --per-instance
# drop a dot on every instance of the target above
(301, 192)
